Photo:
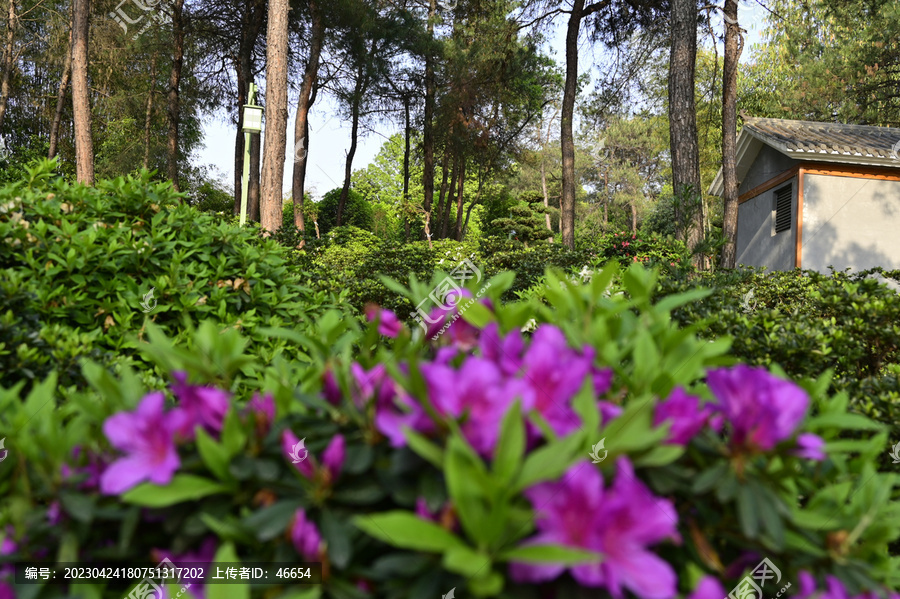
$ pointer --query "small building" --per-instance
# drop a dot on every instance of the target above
(814, 195)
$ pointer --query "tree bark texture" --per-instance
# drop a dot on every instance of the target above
(173, 108)
(276, 116)
(683, 123)
(733, 47)
(81, 103)
(61, 98)
(8, 52)
(301, 124)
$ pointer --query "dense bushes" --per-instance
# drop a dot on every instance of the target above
(357, 211)
(461, 462)
(84, 269)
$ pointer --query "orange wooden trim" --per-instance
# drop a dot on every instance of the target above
(879, 173)
(767, 185)
(798, 253)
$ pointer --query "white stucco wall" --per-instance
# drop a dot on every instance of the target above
(850, 222)
(757, 243)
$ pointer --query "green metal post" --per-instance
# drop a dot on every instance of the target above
(246, 178)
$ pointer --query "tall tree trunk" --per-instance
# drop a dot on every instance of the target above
(8, 51)
(460, 199)
(445, 172)
(407, 134)
(451, 198)
(567, 139)
(733, 47)
(173, 108)
(61, 97)
(81, 102)
(428, 124)
(683, 123)
(472, 204)
(633, 216)
(276, 116)
(148, 114)
(239, 143)
(301, 124)
(348, 166)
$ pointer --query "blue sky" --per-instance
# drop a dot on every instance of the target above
(330, 137)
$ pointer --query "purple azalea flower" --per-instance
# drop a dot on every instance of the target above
(94, 469)
(685, 414)
(288, 442)
(203, 406)
(203, 556)
(333, 456)
(6, 591)
(388, 324)
(505, 352)
(330, 388)
(480, 393)
(602, 379)
(763, 410)
(810, 447)
(708, 588)
(53, 513)
(394, 408)
(422, 510)
(263, 410)
(608, 411)
(556, 373)
(305, 537)
(620, 522)
(8, 546)
(147, 436)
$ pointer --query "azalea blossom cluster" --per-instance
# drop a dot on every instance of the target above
(482, 373)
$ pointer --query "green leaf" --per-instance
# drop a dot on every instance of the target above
(843, 421)
(425, 448)
(747, 513)
(407, 531)
(709, 477)
(477, 314)
(466, 561)
(550, 554)
(549, 462)
(487, 586)
(661, 455)
(271, 521)
(227, 555)
(462, 470)
(337, 535)
(214, 455)
(233, 437)
(80, 507)
(183, 487)
(510, 446)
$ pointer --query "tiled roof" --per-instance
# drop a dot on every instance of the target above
(809, 140)
(808, 137)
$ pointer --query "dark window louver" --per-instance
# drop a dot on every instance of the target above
(783, 209)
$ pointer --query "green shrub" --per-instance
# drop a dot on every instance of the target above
(86, 268)
(357, 211)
